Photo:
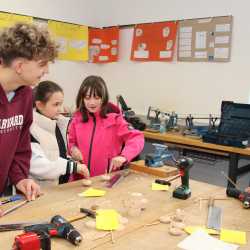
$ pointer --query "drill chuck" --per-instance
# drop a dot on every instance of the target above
(66, 230)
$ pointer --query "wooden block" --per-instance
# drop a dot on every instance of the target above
(164, 171)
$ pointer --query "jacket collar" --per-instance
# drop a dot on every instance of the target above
(44, 122)
(3, 96)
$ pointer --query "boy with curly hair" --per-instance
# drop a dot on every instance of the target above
(25, 52)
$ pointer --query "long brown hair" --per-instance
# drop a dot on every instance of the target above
(92, 85)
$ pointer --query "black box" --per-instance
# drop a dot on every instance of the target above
(234, 127)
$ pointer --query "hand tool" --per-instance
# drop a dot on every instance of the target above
(88, 212)
(159, 157)
(244, 197)
(163, 182)
(14, 207)
(11, 199)
(117, 178)
(21, 225)
(58, 227)
(214, 215)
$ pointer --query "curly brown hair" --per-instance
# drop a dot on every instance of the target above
(26, 41)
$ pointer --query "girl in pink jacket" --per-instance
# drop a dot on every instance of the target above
(99, 136)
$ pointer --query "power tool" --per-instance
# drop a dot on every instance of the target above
(129, 114)
(37, 236)
(182, 192)
(244, 197)
(159, 157)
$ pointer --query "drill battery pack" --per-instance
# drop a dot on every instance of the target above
(234, 127)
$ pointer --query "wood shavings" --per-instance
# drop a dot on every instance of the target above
(179, 225)
(90, 224)
(179, 215)
(123, 220)
(166, 219)
(86, 182)
(175, 231)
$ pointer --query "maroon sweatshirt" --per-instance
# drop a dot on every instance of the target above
(15, 150)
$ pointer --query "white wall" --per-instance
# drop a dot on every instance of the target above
(66, 73)
(183, 87)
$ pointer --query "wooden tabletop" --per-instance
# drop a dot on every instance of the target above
(177, 138)
(137, 234)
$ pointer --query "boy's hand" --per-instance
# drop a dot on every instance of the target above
(76, 154)
(116, 163)
(29, 188)
(247, 190)
(83, 170)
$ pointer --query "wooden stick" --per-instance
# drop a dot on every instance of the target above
(14, 207)
(230, 180)
(112, 237)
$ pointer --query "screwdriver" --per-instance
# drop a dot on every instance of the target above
(16, 197)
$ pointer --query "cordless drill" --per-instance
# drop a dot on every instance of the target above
(37, 236)
(183, 191)
(244, 197)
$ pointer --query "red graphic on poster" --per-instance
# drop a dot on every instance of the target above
(154, 41)
(103, 45)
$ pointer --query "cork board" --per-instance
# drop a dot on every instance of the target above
(205, 40)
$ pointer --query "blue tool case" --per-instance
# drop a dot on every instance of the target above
(234, 127)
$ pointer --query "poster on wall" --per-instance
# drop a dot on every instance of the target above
(205, 40)
(8, 19)
(72, 40)
(154, 41)
(103, 45)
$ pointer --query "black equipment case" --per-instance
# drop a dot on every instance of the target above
(234, 127)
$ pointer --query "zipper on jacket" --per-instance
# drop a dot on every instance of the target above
(91, 141)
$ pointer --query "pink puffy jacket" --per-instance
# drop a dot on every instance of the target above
(101, 139)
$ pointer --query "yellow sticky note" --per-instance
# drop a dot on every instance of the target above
(156, 186)
(107, 219)
(92, 192)
(232, 236)
(192, 229)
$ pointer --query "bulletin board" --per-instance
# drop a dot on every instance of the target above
(205, 40)
(72, 40)
(103, 45)
(8, 19)
(154, 41)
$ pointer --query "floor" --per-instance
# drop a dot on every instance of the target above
(207, 168)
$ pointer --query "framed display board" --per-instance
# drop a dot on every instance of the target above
(154, 41)
(103, 45)
(205, 40)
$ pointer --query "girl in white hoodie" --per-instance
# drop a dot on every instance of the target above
(49, 162)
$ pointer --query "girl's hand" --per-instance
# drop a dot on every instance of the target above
(76, 154)
(83, 170)
(117, 162)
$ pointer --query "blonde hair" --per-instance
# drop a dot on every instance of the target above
(26, 41)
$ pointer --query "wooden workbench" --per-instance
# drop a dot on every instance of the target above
(64, 200)
(181, 141)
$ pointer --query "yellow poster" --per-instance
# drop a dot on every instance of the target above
(72, 39)
(8, 19)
